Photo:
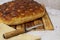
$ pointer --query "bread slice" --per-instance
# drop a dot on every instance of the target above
(18, 12)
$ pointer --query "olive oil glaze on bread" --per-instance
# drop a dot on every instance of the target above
(20, 11)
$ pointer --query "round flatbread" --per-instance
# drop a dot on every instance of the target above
(18, 12)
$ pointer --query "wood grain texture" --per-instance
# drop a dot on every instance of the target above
(5, 28)
(47, 22)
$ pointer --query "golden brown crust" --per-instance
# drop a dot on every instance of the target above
(17, 12)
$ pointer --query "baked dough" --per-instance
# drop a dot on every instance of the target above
(18, 12)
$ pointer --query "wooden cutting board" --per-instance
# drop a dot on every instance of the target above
(47, 22)
(4, 28)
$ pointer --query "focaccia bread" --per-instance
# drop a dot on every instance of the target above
(18, 12)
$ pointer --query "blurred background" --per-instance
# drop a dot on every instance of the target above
(49, 3)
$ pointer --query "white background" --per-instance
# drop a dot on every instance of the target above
(51, 3)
